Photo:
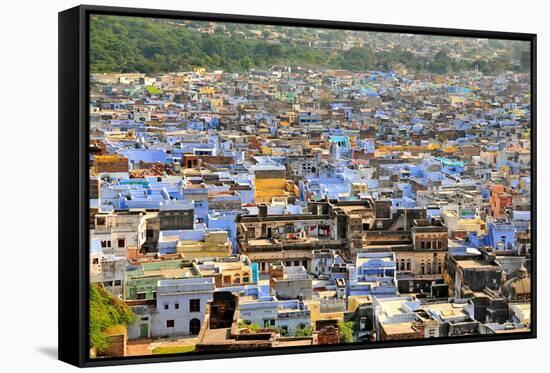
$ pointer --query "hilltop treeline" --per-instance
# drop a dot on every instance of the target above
(127, 44)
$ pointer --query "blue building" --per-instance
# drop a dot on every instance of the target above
(501, 236)
(374, 274)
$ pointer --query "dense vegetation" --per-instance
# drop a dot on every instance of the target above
(306, 331)
(346, 331)
(106, 311)
(126, 44)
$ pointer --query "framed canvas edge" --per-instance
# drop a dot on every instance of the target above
(73, 343)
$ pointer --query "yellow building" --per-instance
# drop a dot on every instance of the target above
(272, 183)
(455, 100)
(111, 164)
(229, 271)
(266, 150)
(207, 90)
(199, 70)
(355, 301)
(331, 309)
(456, 225)
(215, 244)
(216, 103)
(521, 312)
(386, 149)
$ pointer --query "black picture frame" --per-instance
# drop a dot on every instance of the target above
(73, 180)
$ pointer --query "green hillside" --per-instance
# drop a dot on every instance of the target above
(131, 44)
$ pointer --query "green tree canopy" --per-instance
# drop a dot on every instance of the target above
(135, 44)
(346, 330)
(106, 311)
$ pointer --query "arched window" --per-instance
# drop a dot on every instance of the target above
(422, 267)
(408, 264)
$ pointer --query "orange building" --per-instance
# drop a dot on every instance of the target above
(111, 163)
(501, 198)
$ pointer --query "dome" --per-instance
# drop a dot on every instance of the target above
(519, 287)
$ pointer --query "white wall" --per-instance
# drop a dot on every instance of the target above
(181, 316)
(29, 38)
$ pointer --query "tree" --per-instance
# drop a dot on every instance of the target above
(251, 326)
(346, 331)
(133, 44)
(106, 311)
(441, 63)
(304, 332)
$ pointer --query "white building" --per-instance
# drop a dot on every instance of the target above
(178, 311)
(322, 261)
(119, 231)
(287, 315)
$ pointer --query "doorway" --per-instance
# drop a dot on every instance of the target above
(194, 326)
(144, 331)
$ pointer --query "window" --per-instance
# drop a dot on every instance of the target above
(166, 306)
(95, 260)
(103, 243)
(296, 263)
(121, 242)
(140, 295)
(288, 263)
(246, 279)
(304, 263)
(118, 282)
(177, 306)
(227, 279)
(408, 264)
(170, 323)
(422, 245)
(194, 305)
